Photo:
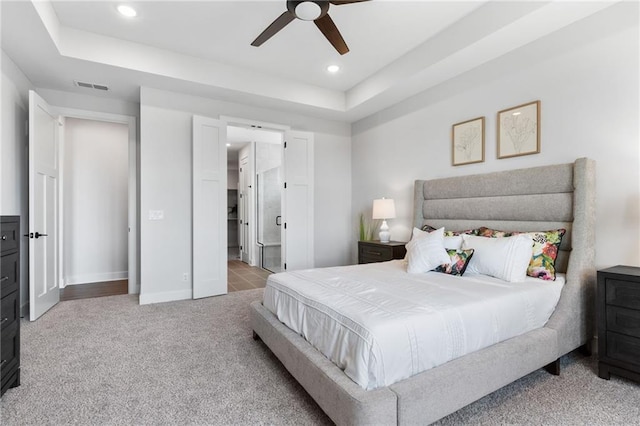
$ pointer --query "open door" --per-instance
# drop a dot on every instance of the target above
(209, 207)
(297, 201)
(244, 209)
(44, 291)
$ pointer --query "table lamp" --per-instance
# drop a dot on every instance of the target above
(384, 209)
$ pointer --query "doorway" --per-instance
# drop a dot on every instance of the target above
(258, 156)
(94, 209)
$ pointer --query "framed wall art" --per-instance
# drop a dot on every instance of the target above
(519, 130)
(467, 142)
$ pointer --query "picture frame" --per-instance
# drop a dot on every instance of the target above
(519, 130)
(467, 142)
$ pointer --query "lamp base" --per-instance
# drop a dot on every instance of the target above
(385, 235)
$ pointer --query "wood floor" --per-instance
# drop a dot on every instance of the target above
(244, 277)
(240, 277)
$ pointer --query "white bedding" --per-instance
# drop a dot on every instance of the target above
(381, 325)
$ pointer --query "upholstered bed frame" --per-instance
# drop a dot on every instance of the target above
(541, 198)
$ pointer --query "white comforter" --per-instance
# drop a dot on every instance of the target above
(381, 325)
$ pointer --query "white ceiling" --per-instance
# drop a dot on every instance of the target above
(398, 48)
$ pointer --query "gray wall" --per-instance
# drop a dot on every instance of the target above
(166, 182)
(95, 183)
(14, 154)
(586, 77)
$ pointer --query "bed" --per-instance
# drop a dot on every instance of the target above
(541, 198)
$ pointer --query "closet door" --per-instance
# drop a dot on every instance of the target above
(297, 201)
(209, 207)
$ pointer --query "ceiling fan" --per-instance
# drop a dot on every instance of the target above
(309, 10)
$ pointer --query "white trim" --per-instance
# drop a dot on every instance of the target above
(260, 124)
(165, 296)
(130, 121)
(96, 278)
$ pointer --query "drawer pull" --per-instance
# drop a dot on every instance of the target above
(2, 362)
(3, 279)
(375, 253)
(4, 237)
(4, 320)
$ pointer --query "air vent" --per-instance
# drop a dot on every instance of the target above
(91, 85)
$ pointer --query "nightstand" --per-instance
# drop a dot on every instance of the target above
(618, 308)
(375, 251)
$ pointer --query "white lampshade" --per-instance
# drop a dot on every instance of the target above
(384, 208)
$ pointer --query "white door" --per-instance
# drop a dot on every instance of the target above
(44, 291)
(209, 207)
(297, 202)
(245, 210)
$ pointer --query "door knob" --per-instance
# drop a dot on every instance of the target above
(38, 235)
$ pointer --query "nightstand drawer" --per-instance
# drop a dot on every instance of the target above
(9, 236)
(624, 321)
(9, 310)
(377, 253)
(9, 274)
(623, 293)
(623, 348)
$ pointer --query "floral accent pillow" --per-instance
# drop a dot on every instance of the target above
(545, 250)
(459, 261)
(429, 228)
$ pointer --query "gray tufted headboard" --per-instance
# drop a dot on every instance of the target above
(534, 199)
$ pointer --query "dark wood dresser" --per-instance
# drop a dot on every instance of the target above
(618, 308)
(10, 303)
(375, 251)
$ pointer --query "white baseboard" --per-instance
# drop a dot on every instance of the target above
(96, 278)
(166, 296)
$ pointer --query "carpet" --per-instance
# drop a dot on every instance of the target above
(109, 361)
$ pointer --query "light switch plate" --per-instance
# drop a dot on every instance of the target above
(156, 214)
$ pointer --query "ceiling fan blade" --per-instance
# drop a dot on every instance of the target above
(281, 22)
(330, 31)
(339, 2)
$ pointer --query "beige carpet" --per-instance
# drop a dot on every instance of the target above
(108, 361)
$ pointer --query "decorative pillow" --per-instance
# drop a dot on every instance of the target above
(429, 228)
(459, 261)
(505, 258)
(545, 250)
(426, 251)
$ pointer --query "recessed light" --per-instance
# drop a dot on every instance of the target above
(228, 144)
(333, 69)
(127, 11)
(517, 113)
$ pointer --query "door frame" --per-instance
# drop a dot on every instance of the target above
(133, 201)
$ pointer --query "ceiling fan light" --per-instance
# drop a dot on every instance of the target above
(333, 69)
(308, 11)
(127, 11)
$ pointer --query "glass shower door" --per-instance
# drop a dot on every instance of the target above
(270, 218)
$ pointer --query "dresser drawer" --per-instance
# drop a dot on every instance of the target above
(10, 350)
(9, 310)
(9, 236)
(9, 274)
(624, 321)
(622, 293)
(623, 348)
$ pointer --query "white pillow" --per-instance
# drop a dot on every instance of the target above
(450, 243)
(505, 258)
(426, 251)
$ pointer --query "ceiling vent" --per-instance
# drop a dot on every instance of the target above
(91, 85)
